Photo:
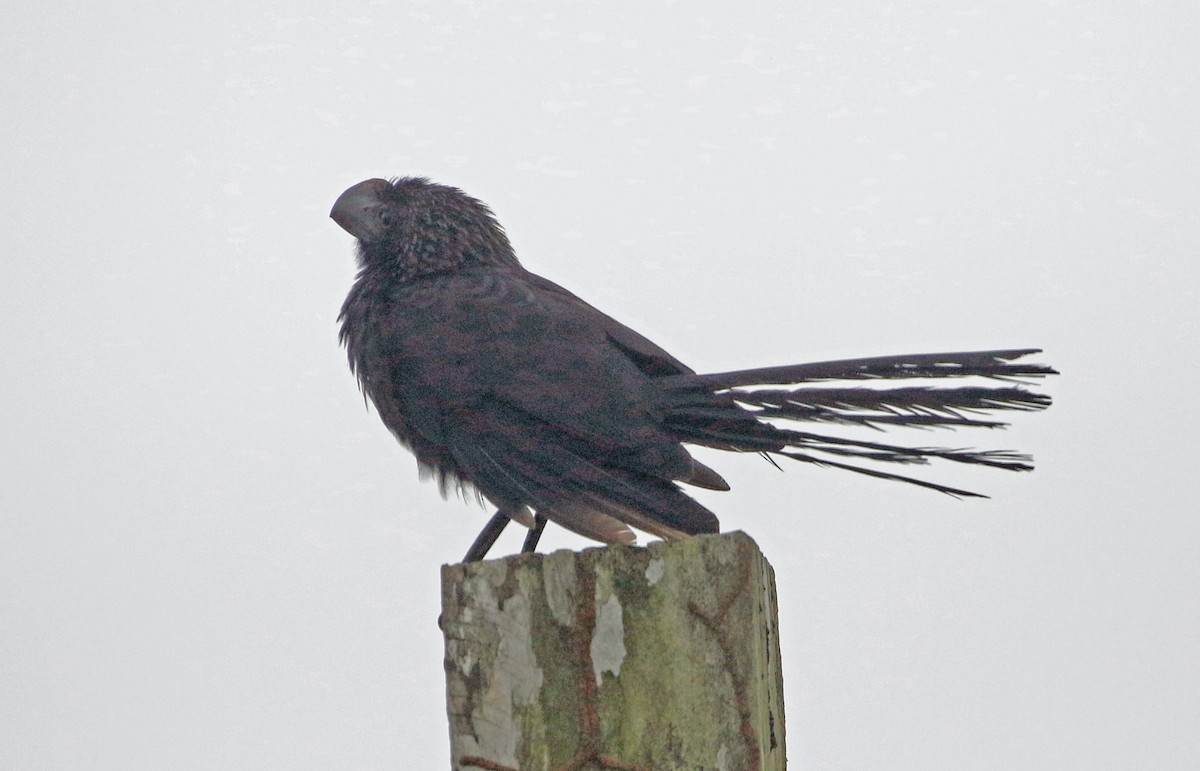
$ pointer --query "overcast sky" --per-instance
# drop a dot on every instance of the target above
(212, 556)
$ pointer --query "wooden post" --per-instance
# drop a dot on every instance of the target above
(640, 659)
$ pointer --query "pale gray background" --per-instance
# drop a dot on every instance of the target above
(212, 556)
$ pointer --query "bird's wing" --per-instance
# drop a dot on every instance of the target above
(521, 389)
(648, 356)
(453, 341)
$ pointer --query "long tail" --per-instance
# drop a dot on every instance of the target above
(703, 409)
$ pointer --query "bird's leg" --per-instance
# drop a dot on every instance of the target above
(534, 534)
(491, 531)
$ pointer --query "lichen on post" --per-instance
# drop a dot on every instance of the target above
(642, 659)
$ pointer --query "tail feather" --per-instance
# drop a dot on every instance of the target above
(954, 491)
(1005, 459)
(989, 364)
(730, 410)
(911, 406)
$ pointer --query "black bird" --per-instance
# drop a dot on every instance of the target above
(503, 382)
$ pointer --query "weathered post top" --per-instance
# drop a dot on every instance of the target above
(640, 659)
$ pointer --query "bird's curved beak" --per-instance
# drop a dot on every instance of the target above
(357, 209)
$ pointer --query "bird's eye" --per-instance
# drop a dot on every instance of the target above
(386, 218)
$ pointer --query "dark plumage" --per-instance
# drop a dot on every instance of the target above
(502, 381)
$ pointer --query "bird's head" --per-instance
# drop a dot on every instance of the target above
(415, 227)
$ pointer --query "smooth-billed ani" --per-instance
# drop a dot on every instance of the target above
(502, 381)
